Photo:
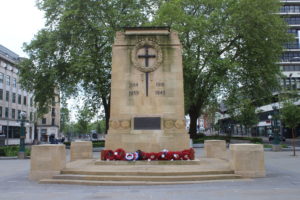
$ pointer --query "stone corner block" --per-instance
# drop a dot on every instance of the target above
(248, 160)
(46, 161)
(215, 149)
(81, 150)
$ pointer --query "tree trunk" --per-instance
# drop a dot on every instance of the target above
(106, 106)
(293, 141)
(194, 114)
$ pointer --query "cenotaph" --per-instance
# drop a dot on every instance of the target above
(147, 102)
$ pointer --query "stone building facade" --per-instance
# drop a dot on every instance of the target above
(14, 100)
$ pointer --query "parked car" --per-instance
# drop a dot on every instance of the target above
(271, 137)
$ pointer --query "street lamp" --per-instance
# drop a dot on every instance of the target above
(21, 154)
(290, 80)
(276, 140)
(271, 131)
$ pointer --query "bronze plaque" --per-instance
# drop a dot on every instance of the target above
(146, 123)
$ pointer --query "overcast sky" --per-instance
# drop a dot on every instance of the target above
(20, 20)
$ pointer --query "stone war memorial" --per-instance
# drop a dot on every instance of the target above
(147, 99)
(147, 142)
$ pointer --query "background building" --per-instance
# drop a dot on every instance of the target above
(49, 124)
(290, 67)
(13, 99)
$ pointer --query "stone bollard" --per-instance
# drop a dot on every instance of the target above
(215, 149)
(81, 150)
(46, 161)
(248, 160)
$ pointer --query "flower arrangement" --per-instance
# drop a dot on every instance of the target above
(120, 154)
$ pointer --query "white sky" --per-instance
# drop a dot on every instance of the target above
(20, 20)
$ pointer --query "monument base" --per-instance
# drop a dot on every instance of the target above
(148, 141)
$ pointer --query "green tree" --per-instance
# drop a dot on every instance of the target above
(74, 50)
(64, 119)
(84, 117)
(226, 44)
(245, 114)
(290, 116)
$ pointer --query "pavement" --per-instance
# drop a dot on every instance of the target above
(282, 182)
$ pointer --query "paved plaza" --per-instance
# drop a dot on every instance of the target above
(282, 182)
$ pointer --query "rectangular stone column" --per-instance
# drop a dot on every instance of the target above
(81, 150)
(248, 160)
(46, 161)
(215, 149)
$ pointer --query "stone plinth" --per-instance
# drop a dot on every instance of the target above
(147, 98)
(247, 160)
(215, 149)
(81, 150)
(46, 161)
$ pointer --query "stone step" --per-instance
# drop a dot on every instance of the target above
(127, 183)
(146, 173)
(147, 178)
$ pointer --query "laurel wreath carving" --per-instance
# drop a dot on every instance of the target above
(142, 44)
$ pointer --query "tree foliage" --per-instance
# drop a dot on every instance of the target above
(74, 50)
(64, 119)
(244, 113)
(228, 46)
(84, 117)
(290, 116)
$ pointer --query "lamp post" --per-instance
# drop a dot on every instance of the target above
(21, 154)
(276, 140)
(270, 118)
(290, 80)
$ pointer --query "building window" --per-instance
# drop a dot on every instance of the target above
(19, 99)
(13, 131)
(14, 97)
(53, 112)
(14, 82)
(1, 111)
(290, 56)
(6, 112)
(30, 116)
(13, 113)
(19, 112)
(31, 102)
(24, 100)
(53, 122)
(53, 101)
(44, 121)
(1, 77)
(7, 96)
(7, 80)
(1, 94)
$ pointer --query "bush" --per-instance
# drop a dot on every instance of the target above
(95, 143)
(11, 151)
(256, 140)
(267, 146)
(98, 143)
(67, 143)
(227, 139)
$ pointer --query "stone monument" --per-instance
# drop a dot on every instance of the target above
(147, 99)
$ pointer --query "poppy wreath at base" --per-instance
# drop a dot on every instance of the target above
(120, 154)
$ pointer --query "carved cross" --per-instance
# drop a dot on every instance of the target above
(147, 56)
